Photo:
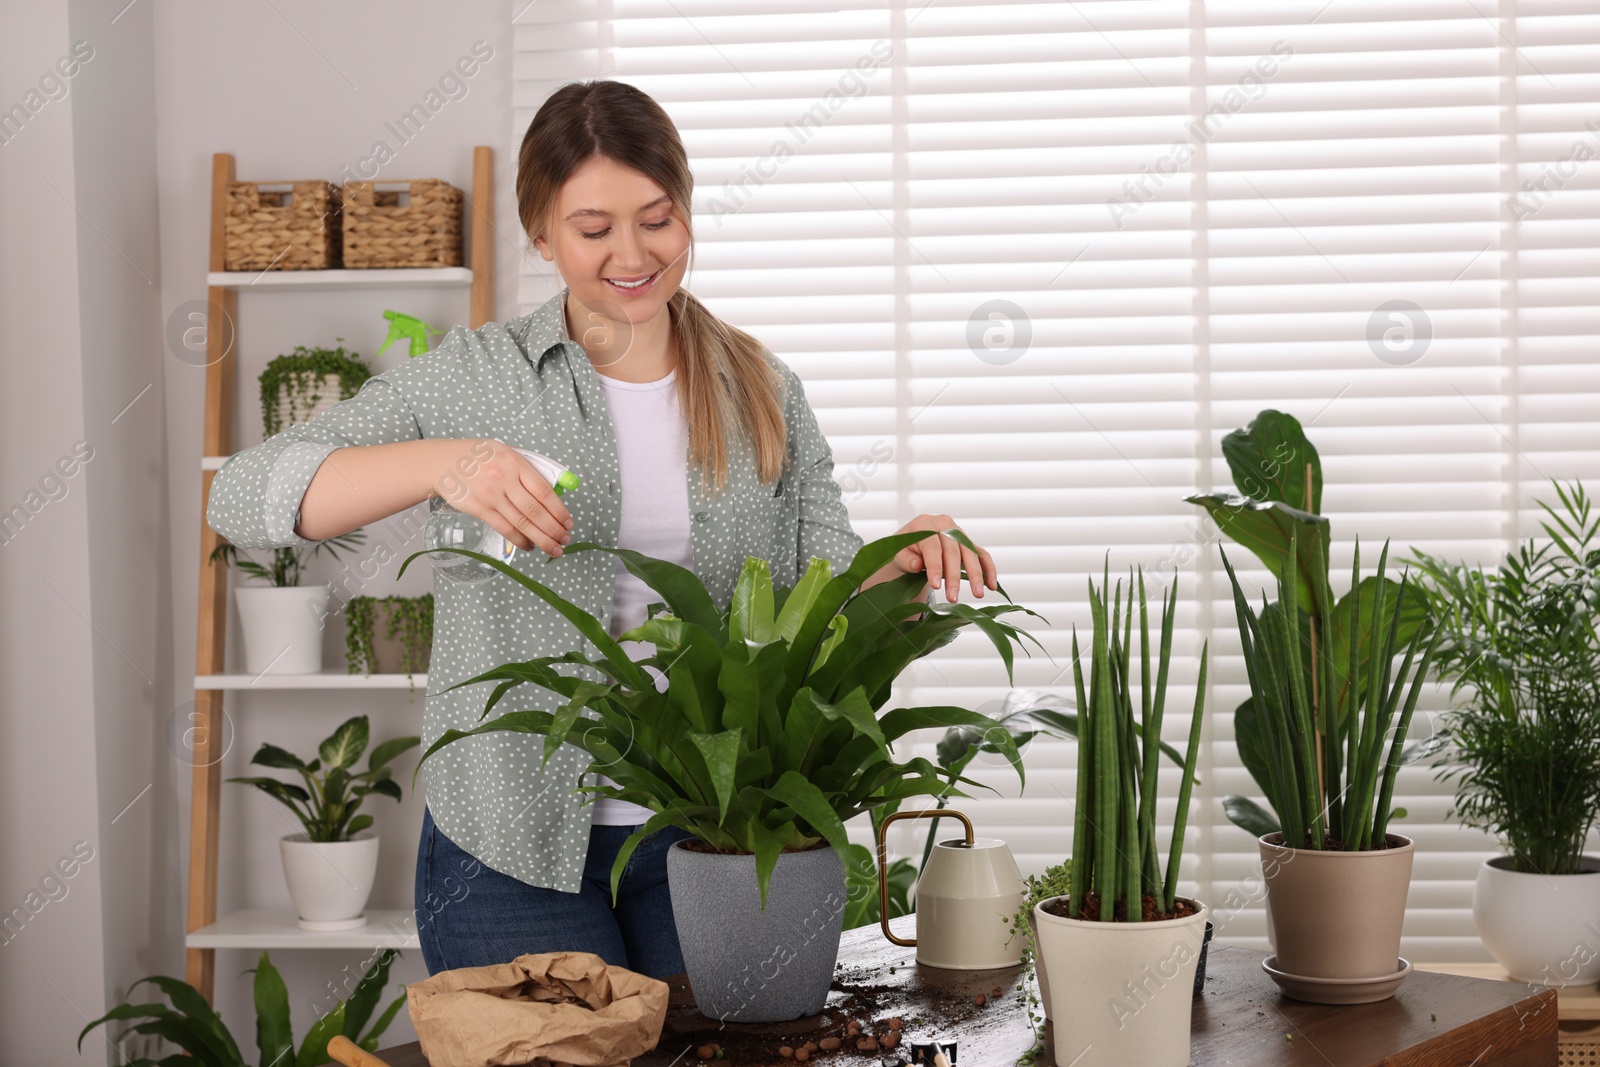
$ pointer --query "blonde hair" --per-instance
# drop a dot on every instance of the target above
(726, 382)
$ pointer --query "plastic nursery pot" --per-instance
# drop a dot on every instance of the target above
(1121, 993)
(746, 963)
(1541, 928)
(1336, 916)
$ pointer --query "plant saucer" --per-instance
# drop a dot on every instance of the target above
(1337, 990)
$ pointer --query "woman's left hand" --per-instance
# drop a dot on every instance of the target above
(941, 557)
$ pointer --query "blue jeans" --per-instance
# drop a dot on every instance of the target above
(469, 915)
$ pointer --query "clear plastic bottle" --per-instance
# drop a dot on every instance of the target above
(450, 528)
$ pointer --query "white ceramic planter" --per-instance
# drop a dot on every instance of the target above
(282, 627)
(1541, 928)
(1121, 993)
(330, 882)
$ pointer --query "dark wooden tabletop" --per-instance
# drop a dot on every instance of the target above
(1436, 1020)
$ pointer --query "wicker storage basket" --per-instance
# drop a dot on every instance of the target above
(282, 226)
(380, 232)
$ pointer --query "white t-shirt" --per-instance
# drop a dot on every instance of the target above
(653, 448)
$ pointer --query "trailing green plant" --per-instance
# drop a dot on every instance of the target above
(193, 1026)
(301, 378)
(1056, 881)
(1115, 863)
(768, 736)
(286, 565)
(333, 791)
(1330, 777)
(1276, 514)
(1521, 650)
(409, 617)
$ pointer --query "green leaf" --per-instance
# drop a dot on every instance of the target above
(721, 752)
(370, 1041)
(314, 1049)
(901, 721)
(809, 802)
(1265, 527)
(769, 844)
(750, 612)
(364, 998)
(274, 1038)
(1269, 460)
(358, 824)
(273, 756)
(1249, 816)
(801, 598)
(838, 626)
(122, 1013)
(388, 750)
(679, 586)
(345, 745)
(1249, 739)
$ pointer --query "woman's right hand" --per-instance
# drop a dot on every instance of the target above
(487, 479)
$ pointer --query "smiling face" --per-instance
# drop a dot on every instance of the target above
(612, 225)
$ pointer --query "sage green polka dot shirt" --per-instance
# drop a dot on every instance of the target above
(527, 383)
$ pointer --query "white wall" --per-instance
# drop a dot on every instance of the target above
(85, 657)
(302, 89)
(94, 671)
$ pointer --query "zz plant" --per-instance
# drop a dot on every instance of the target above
(195, 1027)
(1115, 863)
(769, 734)
(334, 790)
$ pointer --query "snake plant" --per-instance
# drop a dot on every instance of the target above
(1324, 716)
(1114, 852)
(769, 735)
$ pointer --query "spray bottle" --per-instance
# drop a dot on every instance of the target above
(449, 528)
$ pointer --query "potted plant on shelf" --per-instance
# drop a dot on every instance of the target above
(330, 866)
(282, 620)
(1121, 943)
(193, 1026)
(297, 386)
(766, 740)
(405, 643)
(1324, 698)
(1524, 747)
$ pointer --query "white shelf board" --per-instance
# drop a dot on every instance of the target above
(262, 928)
(296, 280)
(324, 680)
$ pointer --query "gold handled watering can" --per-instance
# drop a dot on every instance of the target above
(965, 897)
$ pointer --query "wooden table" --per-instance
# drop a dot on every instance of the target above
(1436, 1020)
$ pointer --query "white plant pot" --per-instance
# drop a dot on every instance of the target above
(330, 881)
(1541, 928)
(282, 627)
(1121, 993)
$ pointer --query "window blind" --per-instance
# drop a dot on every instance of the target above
(1034, 260)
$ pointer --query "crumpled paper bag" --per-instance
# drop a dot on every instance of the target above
(547, 1008)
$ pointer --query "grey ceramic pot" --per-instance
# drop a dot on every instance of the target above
(751, 965)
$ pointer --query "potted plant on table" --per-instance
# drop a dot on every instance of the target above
(281, 621)
(1121, 943)
(298, 386)
(766, 740)
(1524, 748)
(331, 865)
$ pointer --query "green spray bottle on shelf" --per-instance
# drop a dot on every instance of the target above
(410, 328)
(450, 528)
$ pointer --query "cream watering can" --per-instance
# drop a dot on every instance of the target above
(967, 892)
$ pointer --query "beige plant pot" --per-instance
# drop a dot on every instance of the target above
(1337, 915)
(1123, 992)
(314, 398)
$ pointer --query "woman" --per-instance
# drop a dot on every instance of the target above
(628, 380)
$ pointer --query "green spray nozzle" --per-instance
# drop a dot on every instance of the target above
(567, 480)
(406, 326)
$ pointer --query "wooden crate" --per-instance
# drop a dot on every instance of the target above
(282, 226)
(381, 232)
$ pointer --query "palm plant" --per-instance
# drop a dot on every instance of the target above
(768, 736)
(1115, 864)
(285, 565)
(193, 1026)
(1321, 745)
(334, 791)
(1520, 642)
